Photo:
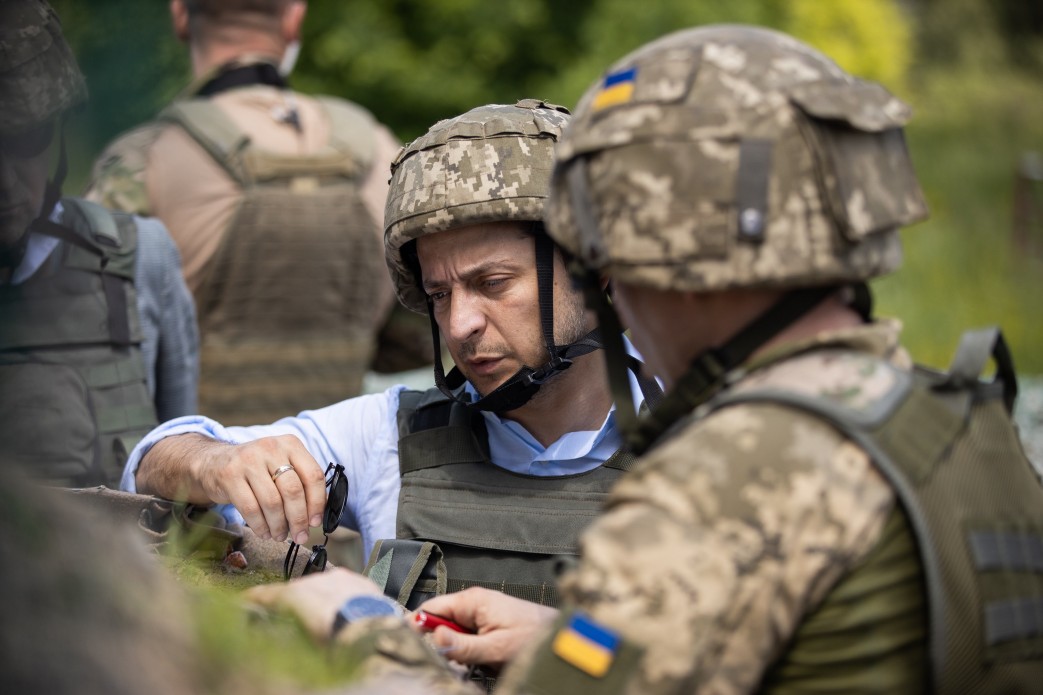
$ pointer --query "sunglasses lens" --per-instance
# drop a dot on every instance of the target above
(29, 144)
(335, 501)
(317, 561)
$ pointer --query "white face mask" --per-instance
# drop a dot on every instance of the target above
(289, 58)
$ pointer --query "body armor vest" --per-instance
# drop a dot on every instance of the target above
(73, 394)
(490, 527)
(288, 309)
(966, 540)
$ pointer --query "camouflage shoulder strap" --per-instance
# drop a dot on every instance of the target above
(352, 129)
(208, 125)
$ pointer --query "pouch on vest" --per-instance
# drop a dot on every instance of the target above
(408, 571)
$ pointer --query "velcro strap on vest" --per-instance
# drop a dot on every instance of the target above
(542, 594)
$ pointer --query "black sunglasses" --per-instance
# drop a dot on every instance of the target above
(335, 499)
(30, 143)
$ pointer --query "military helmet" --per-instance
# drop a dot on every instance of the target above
(490, 164)
(39, 78)
(733, 156)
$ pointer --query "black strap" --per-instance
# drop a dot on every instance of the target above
(973, 353)
(752, 188)
(115, 295)
(243, 76)
(119, 318)
(545, 289)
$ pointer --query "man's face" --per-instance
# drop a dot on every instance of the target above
(482, 284)
(24, 164)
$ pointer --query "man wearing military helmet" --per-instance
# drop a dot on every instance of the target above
(98, 327)
(809, 513)
(501, 465)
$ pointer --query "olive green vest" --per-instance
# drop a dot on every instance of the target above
(288, 307)
(951, 599)
(73, 395)
(491, 527)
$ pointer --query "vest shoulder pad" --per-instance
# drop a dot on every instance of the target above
(352, 129)
(118, 176)
(855, 386)
(114, 232)
(208, 125)
(433, 405)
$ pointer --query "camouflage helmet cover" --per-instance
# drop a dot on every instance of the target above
(490, 164)
(39, 78)
(731, 156)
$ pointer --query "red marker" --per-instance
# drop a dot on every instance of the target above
(429, 621)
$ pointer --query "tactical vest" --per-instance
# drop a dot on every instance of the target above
(970, 517)
(73, 394)
(467, 522)
(288, 307)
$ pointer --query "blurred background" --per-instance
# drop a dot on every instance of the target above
(972, 69)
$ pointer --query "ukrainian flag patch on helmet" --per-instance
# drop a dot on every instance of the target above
(617, 89)
(586, 645)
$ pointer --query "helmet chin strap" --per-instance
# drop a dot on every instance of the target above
(526, 382)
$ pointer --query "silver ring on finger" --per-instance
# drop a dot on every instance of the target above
(280, 470)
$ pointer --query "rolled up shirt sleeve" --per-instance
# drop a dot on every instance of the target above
(359, 433)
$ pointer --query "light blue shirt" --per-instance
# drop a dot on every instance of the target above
(361, 434)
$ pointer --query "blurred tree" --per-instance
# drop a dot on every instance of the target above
(132, 62)
(416, 62)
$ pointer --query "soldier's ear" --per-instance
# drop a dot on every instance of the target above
(293, 20)
(179, 20)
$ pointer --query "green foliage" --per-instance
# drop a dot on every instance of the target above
(242, 645)
(413, 63)
(962, 268)
(868, 39)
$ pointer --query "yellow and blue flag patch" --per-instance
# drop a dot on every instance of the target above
(617, 89)
(586, 645)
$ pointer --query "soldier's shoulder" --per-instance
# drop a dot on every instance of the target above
(118, 176)
(849, 379)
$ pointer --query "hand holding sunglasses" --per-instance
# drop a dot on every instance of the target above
(337, 484)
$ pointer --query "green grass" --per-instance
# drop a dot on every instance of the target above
(241, 645)
(962, 268)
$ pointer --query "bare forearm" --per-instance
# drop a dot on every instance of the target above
(173, 467)
(273, 481)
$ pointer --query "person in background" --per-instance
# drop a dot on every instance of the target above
(97, 328)
(275, 200)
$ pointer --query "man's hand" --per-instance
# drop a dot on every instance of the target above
(504, 625)
(314, 599)
(204, 471)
